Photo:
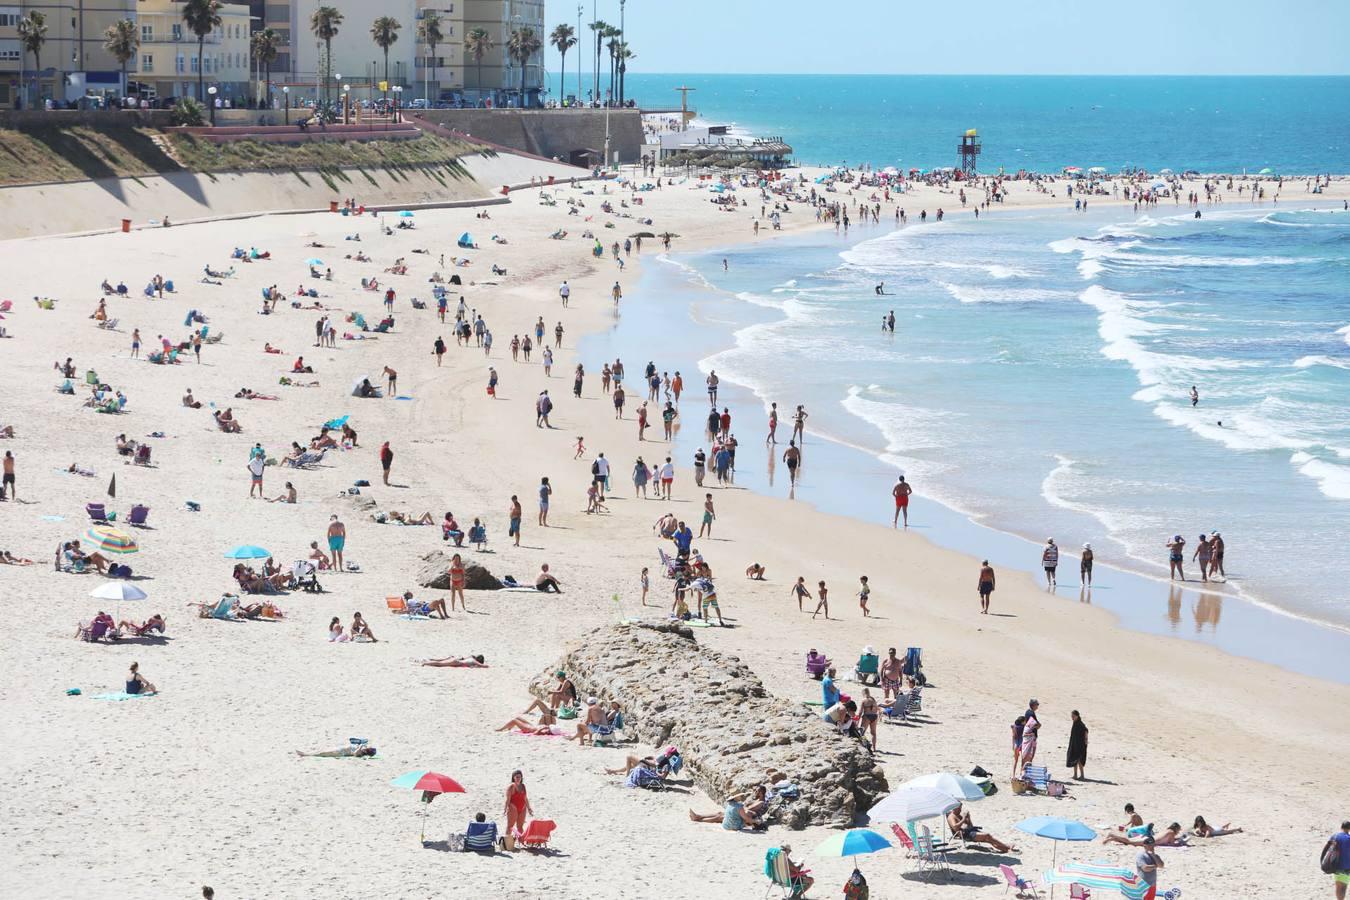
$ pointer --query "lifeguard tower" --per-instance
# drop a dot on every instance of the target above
(969, 149)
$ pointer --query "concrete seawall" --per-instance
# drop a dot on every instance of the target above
(553, 133)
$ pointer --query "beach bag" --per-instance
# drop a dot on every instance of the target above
(1331, 857)
(1019, 786)
(1056, 789)
(567, 712)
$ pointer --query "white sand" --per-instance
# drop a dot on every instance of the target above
(155, 797)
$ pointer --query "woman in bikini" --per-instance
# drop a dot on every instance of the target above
(457, 582)
(868, 711)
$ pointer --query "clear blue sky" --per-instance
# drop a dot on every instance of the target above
(1031, 37)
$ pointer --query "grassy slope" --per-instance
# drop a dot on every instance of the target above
(79, 153)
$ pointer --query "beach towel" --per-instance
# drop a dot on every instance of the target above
(121, 695)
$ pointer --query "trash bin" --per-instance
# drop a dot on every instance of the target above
(126, 224)
(332, 206)
(506, 189)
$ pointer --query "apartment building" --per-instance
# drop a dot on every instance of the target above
(167, 60)
(73, 61)
(497, 76)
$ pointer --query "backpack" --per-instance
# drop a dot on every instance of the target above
(1331, 857)
(595, 468)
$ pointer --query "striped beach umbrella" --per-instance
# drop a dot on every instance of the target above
(1100, 877)
(110, 540)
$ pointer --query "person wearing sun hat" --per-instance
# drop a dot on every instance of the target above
(1216, 554)
(1176, 556)
(1085, 566)
(1050, 561)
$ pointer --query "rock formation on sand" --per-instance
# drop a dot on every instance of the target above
(434, 573)
(729, 729)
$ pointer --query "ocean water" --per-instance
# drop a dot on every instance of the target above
(1213, 124)
(1038, 383)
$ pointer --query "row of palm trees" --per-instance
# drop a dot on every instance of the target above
(607, 37)
(202, 17)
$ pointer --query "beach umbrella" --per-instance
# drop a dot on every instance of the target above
(247, 551)
(642, 234)
(1099, 877)
(1266, 171)
(314, 261)
(1056, 829)
(958, 787)
(406, 214)
(1164, 171)
(110, 540)
(118, 590)
(853, 842)
(911, 804)
(431, 784)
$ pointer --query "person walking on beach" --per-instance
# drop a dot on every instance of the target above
(337, 540)
(985, 586)
(864, 594)
(799, 425)
(1203, 553)
(600, 475)
(1050, 562)
(901, 493)
(135, 343)
(1147, 863)
(557, 335)
(617, 293)
(439, 349)
(1085, 566)
(386, 460)
(256, 465)
(772, 437)
(792, 457)
(823, 603)
(712, 387)
(1339, 846)
(1078, 741)
(565, 293)
(7, 489)
(1216, 555)
(545, 491)
(391, 381)
(1030, 733)
(1176, 556)
(514, 515)
(677, 387)
(667, 478)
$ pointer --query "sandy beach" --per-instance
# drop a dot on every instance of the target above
(201, 785)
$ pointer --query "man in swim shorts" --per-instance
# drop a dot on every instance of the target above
(986, 586)
(891, 672)
(337, 540)
(901, 493)
(1050, 561)
(793, 457)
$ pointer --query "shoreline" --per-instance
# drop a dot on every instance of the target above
(962, 530)
(1172, 727)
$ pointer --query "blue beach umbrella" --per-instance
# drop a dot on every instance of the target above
(406, 214)
(1056, 829)
(314, 261)
(247, 551)
(852, 843)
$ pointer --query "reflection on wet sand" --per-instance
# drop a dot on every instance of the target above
(1174, 606)
(1206, 611)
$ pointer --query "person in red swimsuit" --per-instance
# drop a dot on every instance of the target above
(517, 804)
(901, 493)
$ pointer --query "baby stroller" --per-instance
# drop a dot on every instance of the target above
(305, 577)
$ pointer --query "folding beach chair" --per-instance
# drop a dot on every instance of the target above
(138, 515)
(536, 834)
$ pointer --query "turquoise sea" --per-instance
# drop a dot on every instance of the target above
(1224, 124)
(1038, 380)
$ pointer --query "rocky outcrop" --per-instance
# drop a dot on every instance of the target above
(727, 726)
(435, 573)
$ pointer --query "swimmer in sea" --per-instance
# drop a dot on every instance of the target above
(1195, 396)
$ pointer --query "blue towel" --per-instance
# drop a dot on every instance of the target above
(120, 695)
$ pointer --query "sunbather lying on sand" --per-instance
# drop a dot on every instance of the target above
(348, 752)
(459, 662)
(407, 518)
(1204, 829)
(547, 725)
(10, 559)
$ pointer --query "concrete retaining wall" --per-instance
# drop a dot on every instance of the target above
(547, 132)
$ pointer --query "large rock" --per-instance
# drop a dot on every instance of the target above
(729, 729)
(435, 573)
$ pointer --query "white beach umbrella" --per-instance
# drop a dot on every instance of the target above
(958, 787)
(911, 804)
(118, 590)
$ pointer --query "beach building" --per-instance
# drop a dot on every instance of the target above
(712, 145)
(167, 63)
(73, 61)
(496, 77)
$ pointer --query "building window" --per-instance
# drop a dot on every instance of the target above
(177, 31)
(9, 55)
(147, 62)
(9, 20)
(147, 33)
(194, 65)
(179, 64)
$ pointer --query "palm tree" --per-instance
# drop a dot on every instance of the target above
(522, 45)
(477, 43)
(429, 32)
(32, 30)
(612, 46)
(599, 27)
(384, 32)
(121, 39)
(201, 17)
(624, 55)
(564, 38)
(324, 23)
(266, 46)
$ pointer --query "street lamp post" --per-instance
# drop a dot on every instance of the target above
(211, 102)
(337, 82)
(286, 89)
(346, 103)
